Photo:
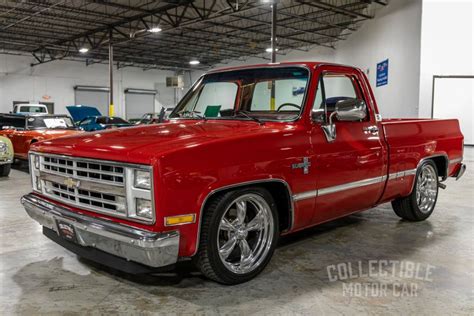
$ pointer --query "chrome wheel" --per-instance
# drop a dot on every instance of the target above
(245, 233)
(426, 188)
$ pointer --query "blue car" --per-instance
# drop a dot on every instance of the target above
(89, 119)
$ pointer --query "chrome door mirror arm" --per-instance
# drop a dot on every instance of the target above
(329, 129)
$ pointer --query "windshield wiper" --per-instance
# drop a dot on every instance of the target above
(244, 113)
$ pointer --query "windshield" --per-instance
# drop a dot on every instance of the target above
(55, 122)
(32, 109)
(263, 93)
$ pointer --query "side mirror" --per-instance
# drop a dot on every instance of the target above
(346, 110)
(351, 110)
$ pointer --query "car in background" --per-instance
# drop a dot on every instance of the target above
(97, 123)
(26, 129)
(30, 108)
(6, 156)
(153, 118)
(147, 118)
(89, 118)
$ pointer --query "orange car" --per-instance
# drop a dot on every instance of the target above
(24, 130)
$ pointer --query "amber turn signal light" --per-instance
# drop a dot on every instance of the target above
(180, 219)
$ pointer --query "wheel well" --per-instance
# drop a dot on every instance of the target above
(442, 165)
(280, 194)
(33, 141)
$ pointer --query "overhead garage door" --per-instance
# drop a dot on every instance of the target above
(139, 102)
(453, 98)
(93, 96)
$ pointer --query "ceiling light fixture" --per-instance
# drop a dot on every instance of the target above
(155, 29)
(269, 50)
(194, 62)
(83, 50)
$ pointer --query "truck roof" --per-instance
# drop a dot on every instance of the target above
(308, 64)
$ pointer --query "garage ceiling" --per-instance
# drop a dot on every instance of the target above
(210, 31)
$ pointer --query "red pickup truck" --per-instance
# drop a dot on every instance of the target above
(248, 155)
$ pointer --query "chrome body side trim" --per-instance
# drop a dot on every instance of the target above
(237, 185)
(142, 246)
(305, 195)
(351, 185)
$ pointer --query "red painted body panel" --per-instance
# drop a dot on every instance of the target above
(194, 158)
(22, 139)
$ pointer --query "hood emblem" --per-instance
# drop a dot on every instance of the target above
(71, 183)
(302, 165)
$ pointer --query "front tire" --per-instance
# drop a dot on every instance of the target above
(419, 205)
(5, 170)
(239, 234)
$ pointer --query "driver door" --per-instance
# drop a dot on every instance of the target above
(351, 168)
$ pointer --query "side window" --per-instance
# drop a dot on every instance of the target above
(337, 88)
(332, 88)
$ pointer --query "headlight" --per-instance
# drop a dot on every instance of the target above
(34, 172)
(142, 179)
(36, 160)
(3, 147)
(144, 208)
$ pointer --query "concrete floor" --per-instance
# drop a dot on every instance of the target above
(39, 277)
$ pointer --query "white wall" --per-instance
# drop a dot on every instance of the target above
(447, 45)
(395, 34)
(20, 82)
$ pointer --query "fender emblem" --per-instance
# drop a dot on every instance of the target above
(71, 183)
(302, 165)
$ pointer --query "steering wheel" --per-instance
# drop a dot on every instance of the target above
(288, 104)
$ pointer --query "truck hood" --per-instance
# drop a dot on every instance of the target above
(144, 144)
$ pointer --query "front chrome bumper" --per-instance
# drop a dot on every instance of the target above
(6, 160)
(145, 247)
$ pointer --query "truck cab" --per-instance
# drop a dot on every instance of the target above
(30, 108)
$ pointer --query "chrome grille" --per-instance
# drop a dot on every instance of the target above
(93, 171)
(85, 198)
(101, 186)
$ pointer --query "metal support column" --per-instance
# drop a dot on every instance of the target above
(274, 25)
(111, 77)
(274, 46)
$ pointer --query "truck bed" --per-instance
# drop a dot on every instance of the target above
(409, 141)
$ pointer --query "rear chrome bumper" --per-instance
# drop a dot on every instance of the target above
(460, 172)
(145, 247)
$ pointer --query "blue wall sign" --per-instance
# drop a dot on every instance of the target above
(382, 73)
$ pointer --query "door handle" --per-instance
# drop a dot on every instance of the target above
(371, 129)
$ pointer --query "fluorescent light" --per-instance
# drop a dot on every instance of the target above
(155, 29)
(83, 50)
(194, 62)
(269, 50)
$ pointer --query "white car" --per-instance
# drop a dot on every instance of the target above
(30, 108)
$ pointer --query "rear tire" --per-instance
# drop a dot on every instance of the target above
(419, 205)
(5, 170)
(239, 234)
